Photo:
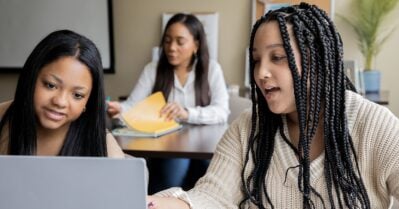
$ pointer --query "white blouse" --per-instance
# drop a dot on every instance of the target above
(216, 112)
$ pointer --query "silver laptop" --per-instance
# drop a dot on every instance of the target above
(72, 183)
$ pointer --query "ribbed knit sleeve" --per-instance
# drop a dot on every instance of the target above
(375, 134)
(221, 185)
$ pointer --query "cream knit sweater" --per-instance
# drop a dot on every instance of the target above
(375, 133)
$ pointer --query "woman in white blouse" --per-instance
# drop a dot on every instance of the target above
(192, 83)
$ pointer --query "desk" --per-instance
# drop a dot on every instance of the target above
(192, 141)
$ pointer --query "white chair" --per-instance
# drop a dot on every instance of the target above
(395, 204)
(237, 105)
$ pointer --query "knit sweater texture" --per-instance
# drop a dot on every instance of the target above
(375, 134)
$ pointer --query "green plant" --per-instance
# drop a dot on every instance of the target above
(367, 22)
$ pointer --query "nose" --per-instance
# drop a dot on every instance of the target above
(171, 46)
(262, 70)
(60, 99)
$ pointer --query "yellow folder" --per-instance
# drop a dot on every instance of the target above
(145, 116)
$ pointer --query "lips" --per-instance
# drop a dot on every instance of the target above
(54, 115)
(271, 89)
(171, 57)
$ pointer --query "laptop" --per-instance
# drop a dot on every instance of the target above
(72, 183)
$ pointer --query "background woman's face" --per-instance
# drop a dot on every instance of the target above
(62, 90)
(179, 45)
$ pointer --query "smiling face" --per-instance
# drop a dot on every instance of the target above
(272, 74)
(61, 92)
(179, 45)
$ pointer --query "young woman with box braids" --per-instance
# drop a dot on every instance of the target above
(322, 76)
(310, 141)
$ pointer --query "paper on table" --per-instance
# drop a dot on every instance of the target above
(145, 116)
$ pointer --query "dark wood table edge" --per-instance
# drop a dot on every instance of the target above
(169, 154)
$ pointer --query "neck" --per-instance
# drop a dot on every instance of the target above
(316, 146)
(183, 68)
(182, 73)
(49, 142)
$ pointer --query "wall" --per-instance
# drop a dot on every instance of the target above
(8, 83)
(385, 61)
(137, 28)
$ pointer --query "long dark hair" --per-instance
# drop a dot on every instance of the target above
(165, 71)
(86, 135)
(321, 52)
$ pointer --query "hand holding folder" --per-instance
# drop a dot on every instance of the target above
(144, 119)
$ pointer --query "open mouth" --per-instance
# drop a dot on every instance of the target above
(271, 90)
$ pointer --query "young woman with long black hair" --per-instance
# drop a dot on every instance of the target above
(59, 104)
(194, 87)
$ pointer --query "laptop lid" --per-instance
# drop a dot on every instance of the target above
(72, 182)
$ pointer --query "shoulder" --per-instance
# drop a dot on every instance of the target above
(4, 145)
(215, 70)
(150, 67)
(3, 107)
(362, 110)
(375, 136)
(234, 142)
(4, 133)
(113, 148)
(214, 66)
(4, 140)
(241, 126)
(149, 70)
(373, 125)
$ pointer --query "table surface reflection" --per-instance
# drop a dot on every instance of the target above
(192, 141)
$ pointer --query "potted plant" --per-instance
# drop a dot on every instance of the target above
(367, 22)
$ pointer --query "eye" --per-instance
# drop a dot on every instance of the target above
(49, 85)
(78, 96)
(277, 58)
(255, 60)
(181, 42)
(167, 41)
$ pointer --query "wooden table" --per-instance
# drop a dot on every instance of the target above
(192, 141)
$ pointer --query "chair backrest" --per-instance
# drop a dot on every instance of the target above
(237, 105)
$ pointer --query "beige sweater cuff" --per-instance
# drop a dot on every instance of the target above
(176, 192)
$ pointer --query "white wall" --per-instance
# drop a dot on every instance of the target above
(137, 28)
(386, 60)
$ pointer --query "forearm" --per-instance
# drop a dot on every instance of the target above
(156, 202)
(207, 115)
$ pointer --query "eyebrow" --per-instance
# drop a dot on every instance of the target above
(270, 46)
(59, 80)
(178, 37)
(56, 78)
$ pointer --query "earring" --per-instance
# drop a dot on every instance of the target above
(84, 109)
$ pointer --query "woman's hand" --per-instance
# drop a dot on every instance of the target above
(113, 108)
(173, 111)
(155, 202)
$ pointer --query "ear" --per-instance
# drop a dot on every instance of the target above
(196, 47)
